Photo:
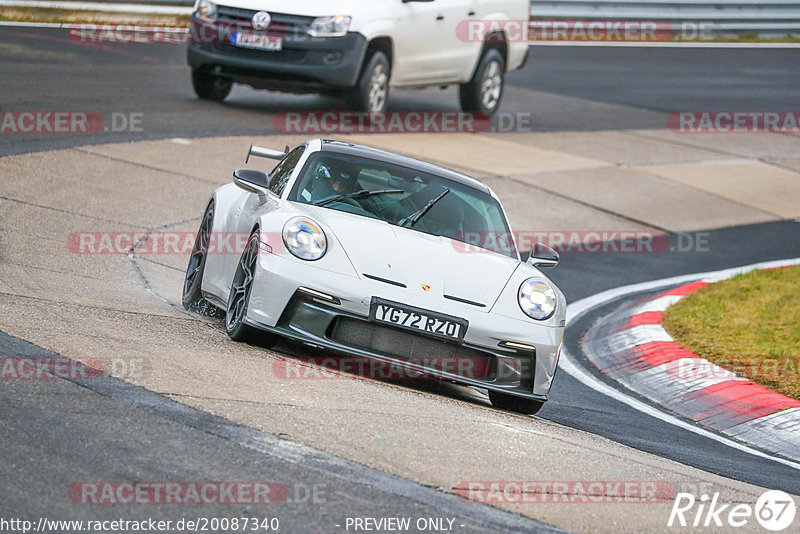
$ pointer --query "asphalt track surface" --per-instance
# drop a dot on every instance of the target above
(564, 88)
(561, 88)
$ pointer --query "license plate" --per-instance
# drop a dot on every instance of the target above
(258, 41)
(418, 320)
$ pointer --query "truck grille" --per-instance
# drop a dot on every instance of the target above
(408, 346)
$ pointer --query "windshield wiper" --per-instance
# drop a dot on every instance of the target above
(357, 194)
(412, 219)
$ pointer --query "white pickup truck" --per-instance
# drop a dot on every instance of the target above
(357, 49)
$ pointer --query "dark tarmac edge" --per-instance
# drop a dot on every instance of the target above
(138, 398)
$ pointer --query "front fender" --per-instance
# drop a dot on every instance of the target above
(507, 304)
(226, 244)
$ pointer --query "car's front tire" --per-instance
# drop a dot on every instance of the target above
(239, 298)
(192, 297)
(482, 94)
(211, 86)
(372, 91)
(514, 404)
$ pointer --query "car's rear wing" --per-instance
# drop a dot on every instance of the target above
(265, 153)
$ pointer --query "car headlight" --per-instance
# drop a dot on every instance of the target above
(335, 26)
(305, 239)
(537, 299)
(206, 11)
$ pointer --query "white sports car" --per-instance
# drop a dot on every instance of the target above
(377, 255)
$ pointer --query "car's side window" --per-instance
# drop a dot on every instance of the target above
(280, 176)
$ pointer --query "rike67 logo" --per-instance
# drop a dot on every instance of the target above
(774, 510)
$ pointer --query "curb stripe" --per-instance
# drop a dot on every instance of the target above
(658, 304)
(682, 291)
(631, 347)
(648, 317)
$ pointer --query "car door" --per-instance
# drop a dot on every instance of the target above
(429, 49)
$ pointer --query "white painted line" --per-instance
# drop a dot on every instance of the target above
(665, 44)
(13, 24)
(90, 25)
(95, 26)
(569, 364)
(99, 6)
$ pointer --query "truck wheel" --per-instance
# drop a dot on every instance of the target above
(210, 86)
(483, 92)
(372, 91)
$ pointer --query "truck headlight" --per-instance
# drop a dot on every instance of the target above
(305, 239)
(206, 11)
(537, 299)
(335, 26)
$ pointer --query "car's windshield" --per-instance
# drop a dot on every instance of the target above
(404, 196)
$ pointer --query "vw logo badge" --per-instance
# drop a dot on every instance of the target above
(261, 20)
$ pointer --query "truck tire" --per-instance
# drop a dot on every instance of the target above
(371, 93)
(210, 86)
(482, 94)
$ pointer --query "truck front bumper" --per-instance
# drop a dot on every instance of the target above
(309, 64)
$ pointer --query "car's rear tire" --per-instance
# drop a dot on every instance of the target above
(371, 93)
(515, 404)
(192, 285)
(210, 86)
(239, 299)
(483, 93)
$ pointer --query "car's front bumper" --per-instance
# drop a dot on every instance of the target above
(303, 64)
(276, 305)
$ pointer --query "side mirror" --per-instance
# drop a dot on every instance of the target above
(543, 256)
(253, 181)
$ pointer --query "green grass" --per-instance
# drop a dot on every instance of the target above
(749, 324)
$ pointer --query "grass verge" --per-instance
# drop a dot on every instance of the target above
(749, 324)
